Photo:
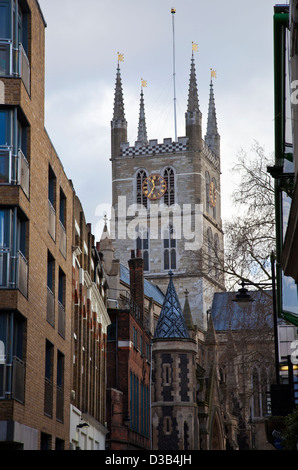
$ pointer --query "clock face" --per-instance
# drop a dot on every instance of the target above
(154, 187)
(212, 194)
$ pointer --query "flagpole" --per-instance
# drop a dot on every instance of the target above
(173, 11)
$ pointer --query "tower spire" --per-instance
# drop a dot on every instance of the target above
(193, 115)
(118, 123)
(212, 137)
(142, 130)
(171, 322)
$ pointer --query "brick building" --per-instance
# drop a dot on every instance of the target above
(36, 201)
(133, 306)
(89, 325)
(52, 291)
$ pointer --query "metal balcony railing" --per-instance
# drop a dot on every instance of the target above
(14, 169)
(14, 62)
(13, 271)
(12, 380)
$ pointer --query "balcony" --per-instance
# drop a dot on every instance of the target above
(14, 170)
(12, 380)
(14, 62)
(13, 271)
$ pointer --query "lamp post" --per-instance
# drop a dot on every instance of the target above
(244, 299)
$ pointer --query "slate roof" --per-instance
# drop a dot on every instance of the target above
(227, 314)
(150, 290)
(171, 322)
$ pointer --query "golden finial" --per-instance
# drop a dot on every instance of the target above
(143, 82)
(213, 73)
(194, 47)
(120, 57)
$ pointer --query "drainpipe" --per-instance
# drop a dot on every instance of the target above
(281, 23)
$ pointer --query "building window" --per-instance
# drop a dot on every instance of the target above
(60, 387)
(207, 182)
(142, 243)
(49, 367)
(167, 375)
(214, 201)
(169, 249)
(62, 208)
(61, 302)
(12, 365)
(134, 402)
(210, 250)
(216, 256)
(140, 179)
(169, 176)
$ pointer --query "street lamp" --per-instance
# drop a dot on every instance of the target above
(244, 299)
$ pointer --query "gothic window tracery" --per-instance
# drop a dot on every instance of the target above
(140, 178)
(142, 243)
(169, 176)
(169, 252)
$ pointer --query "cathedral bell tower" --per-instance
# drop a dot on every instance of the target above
(166, 200)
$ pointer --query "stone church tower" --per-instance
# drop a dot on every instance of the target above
(166, 201)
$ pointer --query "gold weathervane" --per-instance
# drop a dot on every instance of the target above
(213, 73)
(144, 82)
(194, 47)
(120, 57)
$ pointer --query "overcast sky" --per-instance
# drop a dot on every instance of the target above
(234, 37)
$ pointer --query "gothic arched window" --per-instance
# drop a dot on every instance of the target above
(216, 256)
(169, 251)
(210, 247)
(141, 199)
(169, 176)
(142, 243)
(214, 205)
(207, 180)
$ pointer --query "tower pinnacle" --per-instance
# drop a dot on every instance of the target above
(142, 131)
(118, 123)
(193, 115)
(212, 137)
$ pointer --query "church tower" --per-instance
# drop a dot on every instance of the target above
(166, 201)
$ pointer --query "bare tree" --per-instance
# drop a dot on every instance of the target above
(249, 236)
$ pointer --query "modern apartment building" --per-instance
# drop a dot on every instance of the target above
(53, 318)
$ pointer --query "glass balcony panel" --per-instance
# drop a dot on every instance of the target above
(18, 380)
(5, 166)
(5, 58)
(52, 221)
(62, 241)
(4, 267)
(24, 173)
(24, 67)
(61, 320)
(22, 274)
(51, 307)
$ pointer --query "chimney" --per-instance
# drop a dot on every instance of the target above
(136, 271)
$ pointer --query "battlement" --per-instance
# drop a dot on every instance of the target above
(154, 148)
